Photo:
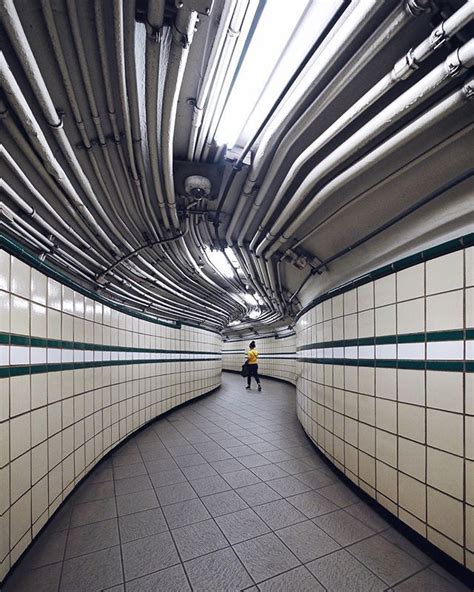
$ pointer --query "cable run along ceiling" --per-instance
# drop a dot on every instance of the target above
(115, 168)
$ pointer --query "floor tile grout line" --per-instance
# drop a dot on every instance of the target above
(175, 545)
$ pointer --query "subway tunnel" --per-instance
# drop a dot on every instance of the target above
(180, 179)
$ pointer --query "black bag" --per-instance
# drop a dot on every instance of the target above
(245, 370)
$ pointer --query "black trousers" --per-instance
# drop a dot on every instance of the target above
(253, 371)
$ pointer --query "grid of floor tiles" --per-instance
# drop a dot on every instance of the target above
(223, 494)
(277, 357)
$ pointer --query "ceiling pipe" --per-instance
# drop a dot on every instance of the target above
(346, 22)
(32, 213)
(15, 31)
(426, 121)
(401, 71)
(118, 19)
(136, 198)
(182, 32)
(223, 32)
(133, 101)
(44, 203)
(455, 63)
(374, 44)
(84, 69)
(154, 49)
(35, 133)
(432, 196)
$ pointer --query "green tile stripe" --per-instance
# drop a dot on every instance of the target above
(6, 371)
(445, 248)
(455, 335)
(24, 340)
(14, 248)
(447, 366)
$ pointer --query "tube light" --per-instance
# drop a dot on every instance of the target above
(218, 260)
(279, 44)
(249, 299)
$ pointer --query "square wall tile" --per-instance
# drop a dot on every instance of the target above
(411, 422)
(386, 415)
(39, 286)
(386, 381)
(4, 311)
(412, 458)
(385, 290)
(411, 386)
(385, 320)
(469, 262)
(365, 296)
(445, 472)
(38, 320)
(412, 496)
(19, 315)
(20, 278)
(386, 447)
(4, 270)
(411, 282)
(366, 323)
(444, 311)
(350, 302)
(411, 316)
(386, 480)
(445, 514)
(20, 435)
(445, 431)
(444, 390)
(445, 273)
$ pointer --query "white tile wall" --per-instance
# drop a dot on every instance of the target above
(54, 428)
(403, 435)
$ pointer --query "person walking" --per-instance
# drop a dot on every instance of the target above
(252, 357)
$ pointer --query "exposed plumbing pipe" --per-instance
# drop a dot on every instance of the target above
(181, 37)
(402, 70)
(57, 48)
(441, 110)
(434, 195)
(458, 60)
(223, 31)
(154, 48)
(134, 190)
(124, 98)
(384, 34)
(20, 104)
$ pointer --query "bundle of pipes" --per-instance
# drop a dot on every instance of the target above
(113, 206)
(272, 233)
(92, 189)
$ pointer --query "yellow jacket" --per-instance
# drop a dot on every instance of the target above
(252, 356)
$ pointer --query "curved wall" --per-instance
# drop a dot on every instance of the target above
(277, 357)
(386, 390)
(76, 378)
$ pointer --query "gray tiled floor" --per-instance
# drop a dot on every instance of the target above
(224, 494)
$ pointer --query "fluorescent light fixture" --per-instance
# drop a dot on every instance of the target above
(234, 323)
(280, 42)
(232, 258)
(218, 260)
(249, 299)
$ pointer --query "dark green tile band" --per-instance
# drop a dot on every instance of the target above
(439, 365)
(451, 246)
(12, 339)
(14, 248)
(6, 371)
(456, 335)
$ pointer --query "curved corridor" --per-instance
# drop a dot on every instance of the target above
(223, 494)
